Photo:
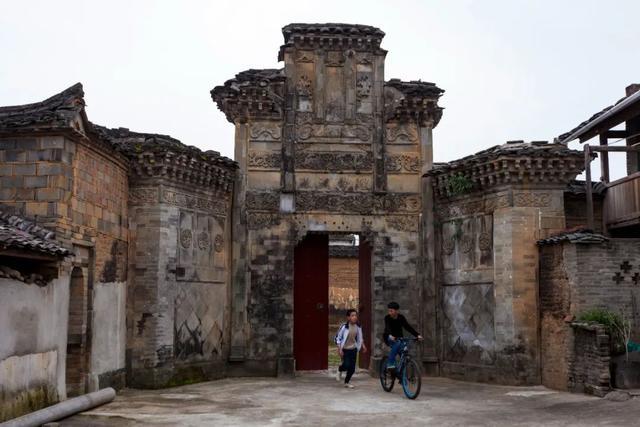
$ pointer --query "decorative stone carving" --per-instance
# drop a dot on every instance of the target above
(218, 207)
(326, 131)
(264, 201)
(304, 56)
(266, 132)
(143, 195)
(264, 159)
(532, 199)
(304, 87)
(218, 243)
(462, 208)
(186, 237)
(258, 221)
(366, 203)
(448, 246)
(334, 59)
(203, 241)
(402, 133)
(403, 223)
(466, 243)
(333, 161)
(484, 241)
(363, 86)
(403, 163)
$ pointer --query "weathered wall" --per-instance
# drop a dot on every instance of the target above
(33, 341)
(588, 364)
(488, 282)
(179, 284)
(77, 187)
(576, 277)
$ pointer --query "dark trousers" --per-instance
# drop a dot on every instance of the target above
(348, 363)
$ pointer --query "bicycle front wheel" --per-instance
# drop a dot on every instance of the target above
(411, 379)
(387, 377)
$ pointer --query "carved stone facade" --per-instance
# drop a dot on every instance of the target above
(490, 209)
(344, 154)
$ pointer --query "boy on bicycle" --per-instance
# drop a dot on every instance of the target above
(394, 323)
(349, 341)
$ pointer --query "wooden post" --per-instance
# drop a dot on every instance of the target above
(604, 159)
(587, 167)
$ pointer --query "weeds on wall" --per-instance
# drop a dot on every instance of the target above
(618, 326)
(459, 184)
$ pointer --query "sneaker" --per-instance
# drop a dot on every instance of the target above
(338, 375)
(391, 367)
(349, 385)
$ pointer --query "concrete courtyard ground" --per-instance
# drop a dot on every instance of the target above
(315, 399)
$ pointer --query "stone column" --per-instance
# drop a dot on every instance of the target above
(239, 284)
(427, 270)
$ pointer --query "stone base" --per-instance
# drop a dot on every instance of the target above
(177, 375)
(286, 367)
(485, 374)
(626, 374)
(253, 368)
(115, 379)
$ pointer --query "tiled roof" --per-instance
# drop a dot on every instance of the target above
(17, 232)
(416, 88)
(576, 235)
(133, 143)
(343, 251)
(628, 101)
(579, 187)
(53, 113)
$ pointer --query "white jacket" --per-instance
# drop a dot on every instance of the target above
(343, 333)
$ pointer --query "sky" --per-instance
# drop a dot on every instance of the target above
(511, 70)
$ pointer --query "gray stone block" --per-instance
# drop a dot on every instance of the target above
(35, 181)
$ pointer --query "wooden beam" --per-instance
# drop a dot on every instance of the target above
(604, 159)
(587, 169)
(611, 148)
(616, 134)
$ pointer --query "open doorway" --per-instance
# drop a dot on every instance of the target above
(332, 273)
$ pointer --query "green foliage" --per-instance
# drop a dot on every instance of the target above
(614, 324)
(459, 184)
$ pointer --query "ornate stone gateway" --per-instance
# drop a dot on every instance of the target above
(325, 145)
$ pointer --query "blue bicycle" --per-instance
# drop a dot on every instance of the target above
(407, 371)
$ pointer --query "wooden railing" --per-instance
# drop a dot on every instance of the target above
(622, 202)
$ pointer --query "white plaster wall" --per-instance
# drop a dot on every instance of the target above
(33, 334)
(109, 329)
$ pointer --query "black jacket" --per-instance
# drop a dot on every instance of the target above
(394, 327)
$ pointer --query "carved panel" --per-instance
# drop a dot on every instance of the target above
(315, 131)
(333, 183)
(468, 324)
(403, 163)
(264, 159)
(532, 199)
(363, 86)
(304, 56)
(138, 196)
(467, 243)
(333, 161)
(216, 207)
(403, 223)
(357, 202)
(335, 58)
(402, 134)
(449, 210)
(197, 258)
(258, 221)
(265, 132)
(263, 201)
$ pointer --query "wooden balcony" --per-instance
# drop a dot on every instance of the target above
(622, 202)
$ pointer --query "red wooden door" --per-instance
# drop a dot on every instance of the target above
(311, 303)
(364, 295)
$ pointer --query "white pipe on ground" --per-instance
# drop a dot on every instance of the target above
(63, 409)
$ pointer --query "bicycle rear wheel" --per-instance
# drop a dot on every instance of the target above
(387, 378)
(411, 379)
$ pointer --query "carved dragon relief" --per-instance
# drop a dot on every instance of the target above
(402, 134)
(331, 161)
